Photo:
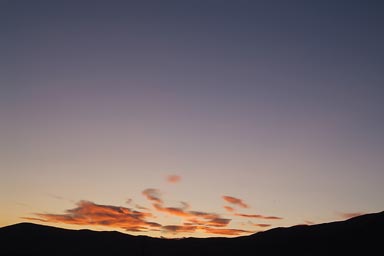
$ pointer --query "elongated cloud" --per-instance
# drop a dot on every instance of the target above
(228, 232)
(153, 195)
(89, 213)
(215, 222)
(261, 225)
(258, 216)
(209, 230)
(173, 178)
(229, 208)
(179, 228)
(235, 201)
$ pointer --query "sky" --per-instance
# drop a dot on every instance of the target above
(190, 118)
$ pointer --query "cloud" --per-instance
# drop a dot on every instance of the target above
(215, 222)
(140, 219)
(258, 216)
(194, 217)
(172, 211)
(89, 213)
(261, 225)
(153, 195)
(209, 230)
(229, 208)
(173, 178)
(228, 232)
(235, 201)
(179, 228)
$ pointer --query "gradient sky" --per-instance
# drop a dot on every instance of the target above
(190, 118)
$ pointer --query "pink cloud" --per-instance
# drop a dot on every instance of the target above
(173, 178)
(235, 201)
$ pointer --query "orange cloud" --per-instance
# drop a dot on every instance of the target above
(229, 208)
(228, 232)
(191, 228)
(195, 217)
(153, 195)
(140, 218)
(235, 201)
(172, 211)
(173, 178)
(258, 216)
(261, 225)
(89, 213)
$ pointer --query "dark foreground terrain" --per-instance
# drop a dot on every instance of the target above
(362, 235)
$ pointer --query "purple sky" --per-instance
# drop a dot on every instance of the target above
(277, 104)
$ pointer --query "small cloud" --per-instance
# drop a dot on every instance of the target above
(229, 208)
(258, 216)
(235, 201)
(172, 211)
(261, 225)
(173, 178)
(153, 195)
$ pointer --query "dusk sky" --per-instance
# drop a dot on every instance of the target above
(190, 118)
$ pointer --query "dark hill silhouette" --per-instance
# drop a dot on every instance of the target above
(362, 235)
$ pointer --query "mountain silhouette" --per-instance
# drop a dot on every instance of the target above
(358, 235)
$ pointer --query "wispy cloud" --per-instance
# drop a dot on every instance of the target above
(173, 178)
(229, 208)
(194, 217)
(179, 228)
(215, 222)
(209, 230)
(153, 195)
(89, 213)
(258, 216)
(261, 225)
(235, 201)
